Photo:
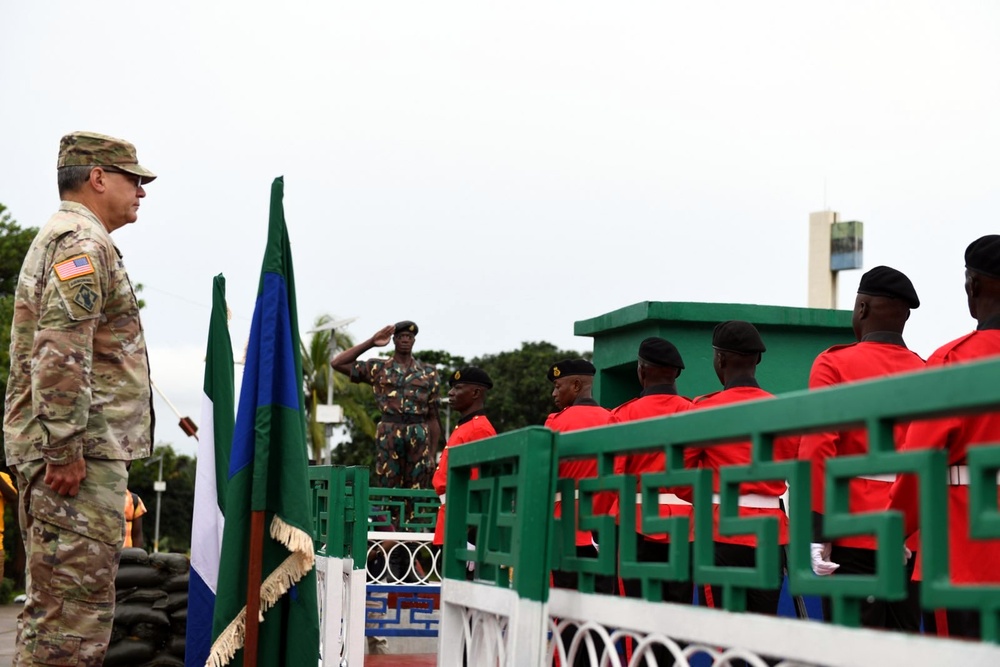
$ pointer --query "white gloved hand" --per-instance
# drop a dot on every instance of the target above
(820, 553)
(470, 565)
(907, 554)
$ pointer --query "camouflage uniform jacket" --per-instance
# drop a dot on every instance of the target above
(79, 378)
(400, 389)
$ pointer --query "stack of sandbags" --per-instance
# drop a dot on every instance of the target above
(150, 610)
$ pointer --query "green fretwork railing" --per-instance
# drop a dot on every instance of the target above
(507, 500)
(340, 511)
(407, 510)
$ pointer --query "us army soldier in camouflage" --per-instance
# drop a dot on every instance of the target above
(408, 395)
(79, 403)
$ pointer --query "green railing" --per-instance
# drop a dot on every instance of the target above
(511, 502)
(406, 510)
(340, 511)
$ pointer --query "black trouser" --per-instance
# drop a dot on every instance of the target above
(568, 580)
(891, 615)
(961, 623)
(650, 551)
(759, 600)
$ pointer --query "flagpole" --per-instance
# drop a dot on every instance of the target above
(254, 570)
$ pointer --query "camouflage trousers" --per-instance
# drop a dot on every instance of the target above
(72, 547)
(403, 459)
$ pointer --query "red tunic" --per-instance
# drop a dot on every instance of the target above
(972, 561)
(839, 365)
(574, 418)
(476, 428)
(739, 453)
(648, 406)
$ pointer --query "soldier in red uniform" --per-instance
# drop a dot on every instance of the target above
(572, 390)
(658, 366)
(881, 309)
(973, 561)
(738, 349)
(468, 396)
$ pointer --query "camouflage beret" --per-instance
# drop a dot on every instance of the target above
(570, 367)
(470, 375)
(406, 325)
(737, 336)
(89, 149)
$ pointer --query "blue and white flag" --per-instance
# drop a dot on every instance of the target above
(217, 418)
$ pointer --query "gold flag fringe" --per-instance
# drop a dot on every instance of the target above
(286, 575)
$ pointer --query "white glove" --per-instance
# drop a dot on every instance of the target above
(820, 553)
(907, 554)
(470, 565)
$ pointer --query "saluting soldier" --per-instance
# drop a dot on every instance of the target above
(972, 561)
(79, 402)
(738, 349)
(467, 395)
(881, 309)
(407, 393)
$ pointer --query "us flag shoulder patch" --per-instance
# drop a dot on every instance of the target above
(74, 267)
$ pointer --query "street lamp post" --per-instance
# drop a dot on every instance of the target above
(329, 415)
(159, 486)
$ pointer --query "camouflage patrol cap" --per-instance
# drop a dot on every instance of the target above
(89, 149)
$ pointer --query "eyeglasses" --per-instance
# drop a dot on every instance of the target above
(137, 180)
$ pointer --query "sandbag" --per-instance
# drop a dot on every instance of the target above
(171, 602)
(153, 632)
(176, 583)
(134, 556)
(129, 614)
(139, 576)
(172, 563)
(164, 660)
(176, 645)
(129, 652)
(146, 595)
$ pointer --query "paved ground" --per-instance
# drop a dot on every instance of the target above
(420, 648)
(8, 627)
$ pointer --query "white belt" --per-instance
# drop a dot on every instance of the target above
(754, 500)
(882, 477)
(441, 496)
(664, 499)
(576, 495)
(959, 476)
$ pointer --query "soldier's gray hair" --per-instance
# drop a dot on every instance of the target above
(71, 178)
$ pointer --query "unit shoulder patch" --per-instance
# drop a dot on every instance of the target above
(86, 298)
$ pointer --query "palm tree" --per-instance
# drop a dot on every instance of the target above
(317, 373)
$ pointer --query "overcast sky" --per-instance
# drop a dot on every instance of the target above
(498, 171)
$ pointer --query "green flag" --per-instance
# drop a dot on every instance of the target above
(268, 472)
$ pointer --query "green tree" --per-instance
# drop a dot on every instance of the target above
(356, 400)
(176, 503)
(521, 394)
(14, 243)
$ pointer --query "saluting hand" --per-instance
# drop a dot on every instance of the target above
(383, 335)
(65, 479)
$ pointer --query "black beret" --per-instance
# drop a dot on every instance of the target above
(406, 325)
(887, 281)
(470, 375)
(660, 352)
(983, 256)
(737, 336)
(570, 367)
